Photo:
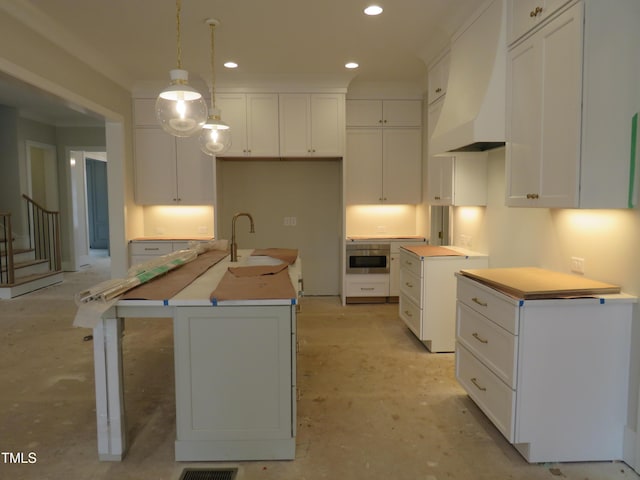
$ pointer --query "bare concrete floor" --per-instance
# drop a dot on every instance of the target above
(374, 403)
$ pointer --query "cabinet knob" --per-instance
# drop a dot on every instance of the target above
(533, 196)
(479, 302)
(478, 386)
(384, 121)
(380, 121)
(408, 313)
(438, 90)
(536, 12)
(436, 197)
(479, 338)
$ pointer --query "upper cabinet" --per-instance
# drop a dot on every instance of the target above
(438, 78)
(383, 166)
(525, 15)
(311, 125)
(168, 170)
(253, 118)
(384, 152)
(384, 113)
(572, 91)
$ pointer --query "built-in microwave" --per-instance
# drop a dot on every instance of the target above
(368, 258)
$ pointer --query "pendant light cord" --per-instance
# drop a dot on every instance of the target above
(178, 46)
(213, 71)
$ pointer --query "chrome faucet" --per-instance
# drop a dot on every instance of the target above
(234, 245)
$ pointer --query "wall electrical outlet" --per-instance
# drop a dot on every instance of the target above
(577, 265)
(290, 221)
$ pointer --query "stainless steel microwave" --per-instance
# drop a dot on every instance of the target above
(368, 258)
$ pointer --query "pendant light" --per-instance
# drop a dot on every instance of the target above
(180, 109)
(215, 138)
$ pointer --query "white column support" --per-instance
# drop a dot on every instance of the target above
(107, 350)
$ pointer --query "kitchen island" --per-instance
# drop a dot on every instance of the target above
(235, 368)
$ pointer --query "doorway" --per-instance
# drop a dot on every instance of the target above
(97, 204)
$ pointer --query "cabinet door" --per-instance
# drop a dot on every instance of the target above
(327, 125)
(262, 125)
(402, 113)
(402, 165)
(295, 121)
(195, 178)
(364, 113)
(440, 181)
(155, 167)
(438, 78)
(524, 94)
(233, 110)
(364, 166)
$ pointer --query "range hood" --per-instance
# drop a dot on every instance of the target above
(473, 113)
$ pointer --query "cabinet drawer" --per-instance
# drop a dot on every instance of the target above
(493, 345)
(410, 262)
(411, 314)
(411, 285)
(367, 285)
(150, 248)
(493, 396)
(490, 303)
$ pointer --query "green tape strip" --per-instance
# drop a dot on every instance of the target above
(632, 161)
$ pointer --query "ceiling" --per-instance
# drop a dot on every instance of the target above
(134, 42)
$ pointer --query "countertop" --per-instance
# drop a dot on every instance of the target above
(173, 238)
(538, 283)
(441, 251)
(379, 238)
(199, 291)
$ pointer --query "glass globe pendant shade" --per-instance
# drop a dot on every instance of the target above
(215, 141)
(180, 109)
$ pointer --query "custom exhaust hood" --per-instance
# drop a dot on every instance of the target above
(473, 113)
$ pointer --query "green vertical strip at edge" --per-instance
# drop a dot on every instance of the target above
(632, 160)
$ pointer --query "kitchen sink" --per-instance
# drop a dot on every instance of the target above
(260, 260)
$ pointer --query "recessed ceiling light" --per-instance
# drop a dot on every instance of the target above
(230, 64)
(373, 10)
(351, 65)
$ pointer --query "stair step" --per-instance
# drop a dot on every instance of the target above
(29, 284)
(29, 267)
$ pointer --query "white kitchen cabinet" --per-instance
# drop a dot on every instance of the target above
(551, 375)
(235, 383)
(459, 180)
(568, 117)
(366, 285)
(311, 125)
(141, 251)
(168, 170)
(171, 170)
(524, 15)
(428, 294)
(394, 262)
(384, 113)
(253, 118)
(437, 78)
(383, 166)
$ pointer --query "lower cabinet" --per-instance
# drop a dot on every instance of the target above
(551, 375)
(367, 285)
(141, 251)
(428, 295)
(235, 383)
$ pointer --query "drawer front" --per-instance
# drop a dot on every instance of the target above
(493, 345)
(367, 286)
(492, 395)
(490, 303)
(411, 286)
(410, 262)
(150, 248)
(411, 314)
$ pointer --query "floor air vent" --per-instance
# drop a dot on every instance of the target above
(209, 474)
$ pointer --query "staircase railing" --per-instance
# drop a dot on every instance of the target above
(44, 234)
(6, 249)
